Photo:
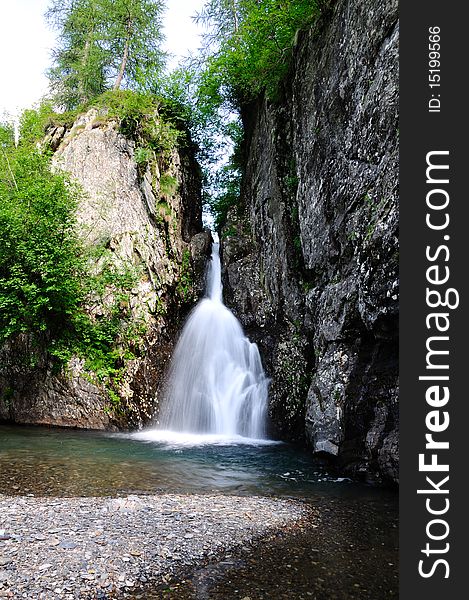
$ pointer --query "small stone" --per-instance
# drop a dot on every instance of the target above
(67, 545)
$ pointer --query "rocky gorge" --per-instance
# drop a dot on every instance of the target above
(310, 253)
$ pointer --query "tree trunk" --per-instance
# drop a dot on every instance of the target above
(123, 65)
(235, 15)
(82, 92)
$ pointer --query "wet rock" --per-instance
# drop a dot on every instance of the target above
(200, 248)
(311, 267)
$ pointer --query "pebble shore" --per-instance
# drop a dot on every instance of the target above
(99, 548)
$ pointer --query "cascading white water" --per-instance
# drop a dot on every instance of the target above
(216, 383)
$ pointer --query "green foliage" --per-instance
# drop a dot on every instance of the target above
(222, 176)
(130, 108)
(249, 45)
(139, 119)
(227, 196)
(133, 36)
(104, 44)
(168, 184)
(35, 122)
(176, 90)
(78, 72)
(164, 210)
(215, 131)
(247, 52)
(231, 231)
(185, 285)
(142, 155)
(291, 179)
(297, 244)
(40, 258)
(137, 113)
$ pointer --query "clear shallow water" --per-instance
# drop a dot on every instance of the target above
(48, 461)
(350, 554)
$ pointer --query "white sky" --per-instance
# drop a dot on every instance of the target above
(26, 42)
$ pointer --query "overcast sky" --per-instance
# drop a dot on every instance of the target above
(26, 42)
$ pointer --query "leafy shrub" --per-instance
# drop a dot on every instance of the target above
(41, 261)
(49, 282)
(34, 123)
(139, 119)
(168, 184)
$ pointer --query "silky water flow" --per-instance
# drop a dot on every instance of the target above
(216, 383)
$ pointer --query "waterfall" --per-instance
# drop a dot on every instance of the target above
(216, 383)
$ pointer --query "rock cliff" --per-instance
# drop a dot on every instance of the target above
(146, 215)
(311, 255)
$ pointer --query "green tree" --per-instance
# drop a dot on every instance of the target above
(248, 45)
(104, 44)
(41, 263)
(78, 73)
(134, 35)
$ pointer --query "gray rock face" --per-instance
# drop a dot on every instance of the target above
(32, 393)
(155, 230)
(311, 269)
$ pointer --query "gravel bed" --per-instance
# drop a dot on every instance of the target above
(99, 548)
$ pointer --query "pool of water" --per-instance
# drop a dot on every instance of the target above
(61, 462)
(350, 554)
